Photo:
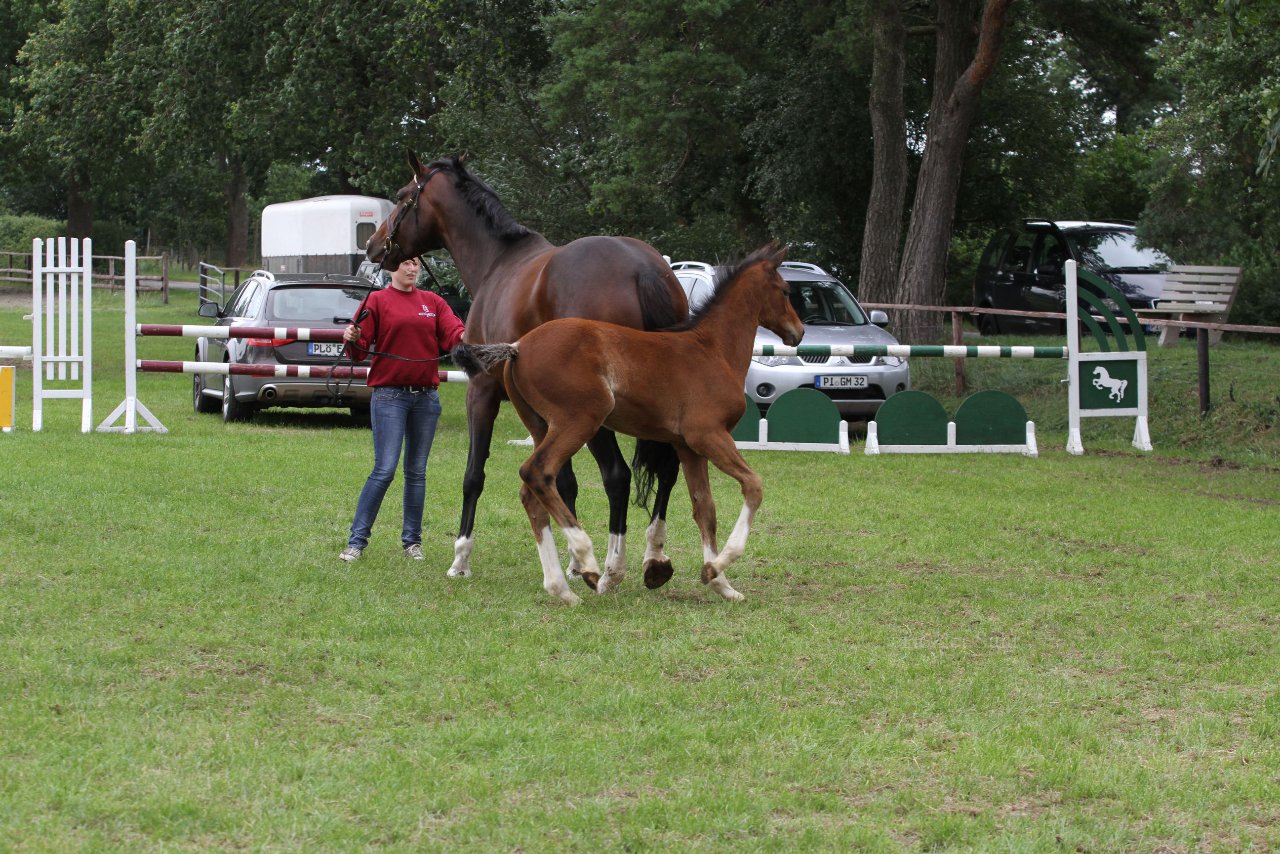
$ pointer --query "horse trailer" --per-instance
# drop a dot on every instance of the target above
(326, 234)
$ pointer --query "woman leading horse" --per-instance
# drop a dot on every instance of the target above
(519, 280)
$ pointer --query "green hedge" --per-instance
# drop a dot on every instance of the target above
(18, 230)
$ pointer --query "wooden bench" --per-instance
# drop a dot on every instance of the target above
(1196, 294)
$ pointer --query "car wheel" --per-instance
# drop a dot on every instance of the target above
(988, 324)
(201, 402)
(232, 409)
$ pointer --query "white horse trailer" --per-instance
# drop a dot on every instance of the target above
(326, 234)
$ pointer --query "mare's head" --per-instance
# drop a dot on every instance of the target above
(776, 312)
(411, 229)
(415, 225)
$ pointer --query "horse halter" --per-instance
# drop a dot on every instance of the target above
(389, 242)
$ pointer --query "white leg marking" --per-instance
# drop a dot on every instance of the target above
(655, 537)
(733, 549)
(615, 564)
(461, 567)
(720, 584)
(737, 542)
(553, 580)
(581, 549)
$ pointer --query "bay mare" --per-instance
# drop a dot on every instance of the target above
(569, 378)
(519, 280)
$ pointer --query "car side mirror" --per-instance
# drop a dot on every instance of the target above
(879, 318)
(1049, 269)
(209, 309)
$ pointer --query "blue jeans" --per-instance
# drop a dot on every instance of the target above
(401, 419)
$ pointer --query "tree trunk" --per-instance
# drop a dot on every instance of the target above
(237, 215)
(882, 234)
(955, 98)
(79, 208)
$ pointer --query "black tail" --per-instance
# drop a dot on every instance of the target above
(481, 358)
(656, 308)
(649, 463)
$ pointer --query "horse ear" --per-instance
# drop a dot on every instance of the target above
(414, 163)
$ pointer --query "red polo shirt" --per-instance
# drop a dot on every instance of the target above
(414, 325)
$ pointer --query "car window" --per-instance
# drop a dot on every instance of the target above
(1051, 251)
(826, 302)
(697, 288)
(238, 305)
(1018, 257)
(1116, 250)
(314, 305)
(991, 255)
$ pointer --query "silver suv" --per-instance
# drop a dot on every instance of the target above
(295, 300)
(856, 384)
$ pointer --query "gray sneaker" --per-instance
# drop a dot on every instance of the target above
(350, 553)
(414, 551)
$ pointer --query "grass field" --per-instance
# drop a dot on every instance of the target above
(947, 652)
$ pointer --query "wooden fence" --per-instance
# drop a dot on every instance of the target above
(108, 272)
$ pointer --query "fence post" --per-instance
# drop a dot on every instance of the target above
(164, 277)
(957, 338)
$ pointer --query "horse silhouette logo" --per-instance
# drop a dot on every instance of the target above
(1103, 380)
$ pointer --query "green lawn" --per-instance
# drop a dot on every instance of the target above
(949, 652)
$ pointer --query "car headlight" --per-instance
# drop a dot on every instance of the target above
(891, 361)
(771, 361)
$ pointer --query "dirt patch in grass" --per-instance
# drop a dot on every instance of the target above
(15, 298)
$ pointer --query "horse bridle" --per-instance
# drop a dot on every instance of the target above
(411, 203)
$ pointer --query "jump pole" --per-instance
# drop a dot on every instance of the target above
(948, 351)
(337, 372)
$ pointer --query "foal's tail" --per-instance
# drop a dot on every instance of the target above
(482, 358)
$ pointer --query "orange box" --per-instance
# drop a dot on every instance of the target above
(8, 397)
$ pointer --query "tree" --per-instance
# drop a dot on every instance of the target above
(881, 238)
(63, 124)
(960, 71)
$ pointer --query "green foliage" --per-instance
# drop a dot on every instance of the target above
(18, 230)
(1210, 204)
(703, 126)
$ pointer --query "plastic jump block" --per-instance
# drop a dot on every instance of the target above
(989, 422)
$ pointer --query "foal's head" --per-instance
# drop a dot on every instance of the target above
(776, 312)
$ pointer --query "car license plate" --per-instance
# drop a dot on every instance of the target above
(324, 348)
(841, 381)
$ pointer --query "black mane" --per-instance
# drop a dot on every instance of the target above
(725, 283)
(482, 199)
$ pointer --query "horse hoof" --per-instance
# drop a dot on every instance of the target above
(592, 579)
(458, 572)
(563, 593)
(709, 572)
(657, 573)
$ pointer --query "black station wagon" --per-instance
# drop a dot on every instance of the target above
(1022, 269)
